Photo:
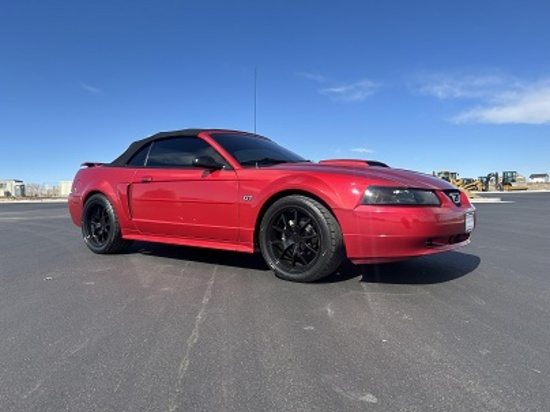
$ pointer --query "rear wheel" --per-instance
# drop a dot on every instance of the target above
(300, 239)
(100, 226)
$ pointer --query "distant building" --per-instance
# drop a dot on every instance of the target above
(539, 178)
(12, 188)
(64, 187)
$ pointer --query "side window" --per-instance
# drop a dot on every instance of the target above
(138, 160)
(180, 152)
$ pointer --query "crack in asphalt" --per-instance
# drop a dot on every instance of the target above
(192, 340)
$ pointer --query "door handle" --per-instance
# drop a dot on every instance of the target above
(146, 179)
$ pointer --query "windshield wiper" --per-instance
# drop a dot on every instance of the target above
(266, 161)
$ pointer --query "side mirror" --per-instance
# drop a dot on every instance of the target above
(207, 162)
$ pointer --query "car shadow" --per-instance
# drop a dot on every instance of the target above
(201, 255)
(426, 270)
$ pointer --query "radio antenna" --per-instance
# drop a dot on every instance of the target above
(255, 95)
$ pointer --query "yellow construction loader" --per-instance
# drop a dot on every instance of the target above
(511, 180)
(467, 185)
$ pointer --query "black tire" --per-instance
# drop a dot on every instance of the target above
(100, 226)
(300, 239)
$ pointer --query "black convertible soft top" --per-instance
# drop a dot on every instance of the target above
(138, 144)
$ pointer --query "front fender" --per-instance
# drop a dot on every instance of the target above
(257, 195)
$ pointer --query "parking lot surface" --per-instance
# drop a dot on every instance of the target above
(165, 328)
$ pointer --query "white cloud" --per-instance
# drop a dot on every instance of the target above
(449, 86)
(91, 89)
(501, 99)
(529, 107)
(314, 76)
(344, 92)
(362, 150)
(355, 92)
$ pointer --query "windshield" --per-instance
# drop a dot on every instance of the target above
(254, 151)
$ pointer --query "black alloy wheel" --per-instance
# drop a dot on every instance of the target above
(100, 226)
(300, 239)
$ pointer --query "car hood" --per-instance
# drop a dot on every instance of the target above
(378, 174)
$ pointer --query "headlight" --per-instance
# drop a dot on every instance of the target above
(380, 195)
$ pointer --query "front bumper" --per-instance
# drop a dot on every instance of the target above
(386, 233)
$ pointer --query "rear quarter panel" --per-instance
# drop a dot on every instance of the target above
(112, 182)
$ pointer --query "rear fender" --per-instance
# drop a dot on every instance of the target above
(117, 194)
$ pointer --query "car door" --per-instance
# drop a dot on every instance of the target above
(171, 197)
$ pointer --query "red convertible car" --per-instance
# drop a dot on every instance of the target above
(242, 192)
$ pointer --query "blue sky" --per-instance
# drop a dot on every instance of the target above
(423, 85)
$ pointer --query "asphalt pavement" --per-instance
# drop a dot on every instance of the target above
(165, 328)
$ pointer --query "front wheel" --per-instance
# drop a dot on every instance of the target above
(100, 226)
(300, 239)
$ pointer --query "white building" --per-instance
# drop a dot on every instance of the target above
(64, 187)
(12, 188)
(539, 178)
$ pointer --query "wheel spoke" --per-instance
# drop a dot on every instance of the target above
(285, 250)
(294, 254)
(309, 237)
(283, 218)
(304, 223)
(302, 258)
(97, 214)
(278, 243)
(311, 248)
